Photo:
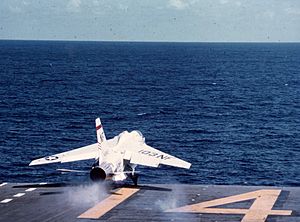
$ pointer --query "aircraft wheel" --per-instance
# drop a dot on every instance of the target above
(135, 179)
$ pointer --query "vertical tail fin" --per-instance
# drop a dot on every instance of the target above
(100, 132)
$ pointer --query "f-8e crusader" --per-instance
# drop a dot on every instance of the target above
(115, 158)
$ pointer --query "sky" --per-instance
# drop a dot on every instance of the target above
(152, 20)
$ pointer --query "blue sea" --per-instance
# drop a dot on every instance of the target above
(231, 109)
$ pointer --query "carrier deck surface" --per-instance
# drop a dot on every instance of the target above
(153, 202)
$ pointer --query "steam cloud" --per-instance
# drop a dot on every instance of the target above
(87, 195)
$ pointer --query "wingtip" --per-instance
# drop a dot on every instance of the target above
(32, 163)
(35, 162)
(188, 166)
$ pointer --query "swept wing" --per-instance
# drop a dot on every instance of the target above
(149, 156)
(82, 153)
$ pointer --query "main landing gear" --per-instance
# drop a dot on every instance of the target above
(134, 178)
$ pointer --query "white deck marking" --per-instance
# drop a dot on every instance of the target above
(19, 195)
(30, 189)
(2, 184)
(6, 200)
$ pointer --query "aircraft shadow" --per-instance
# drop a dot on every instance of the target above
(110, 187)
(46, 185)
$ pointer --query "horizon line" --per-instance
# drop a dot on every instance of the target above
(144, 41)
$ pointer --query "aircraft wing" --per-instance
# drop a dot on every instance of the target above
(149, 156)
(83, 153)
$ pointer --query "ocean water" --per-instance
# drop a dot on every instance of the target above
(232, 110)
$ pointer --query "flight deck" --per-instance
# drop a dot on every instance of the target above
(151, 202)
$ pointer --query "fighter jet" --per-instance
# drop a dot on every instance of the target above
(116, 158)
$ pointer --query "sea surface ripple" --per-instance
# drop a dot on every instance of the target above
(232, 110)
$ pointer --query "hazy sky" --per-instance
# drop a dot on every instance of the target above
(151, 20)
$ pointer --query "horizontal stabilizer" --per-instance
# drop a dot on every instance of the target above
(127, 172)
(72, 171)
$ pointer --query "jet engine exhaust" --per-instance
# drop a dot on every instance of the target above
(97, 174)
